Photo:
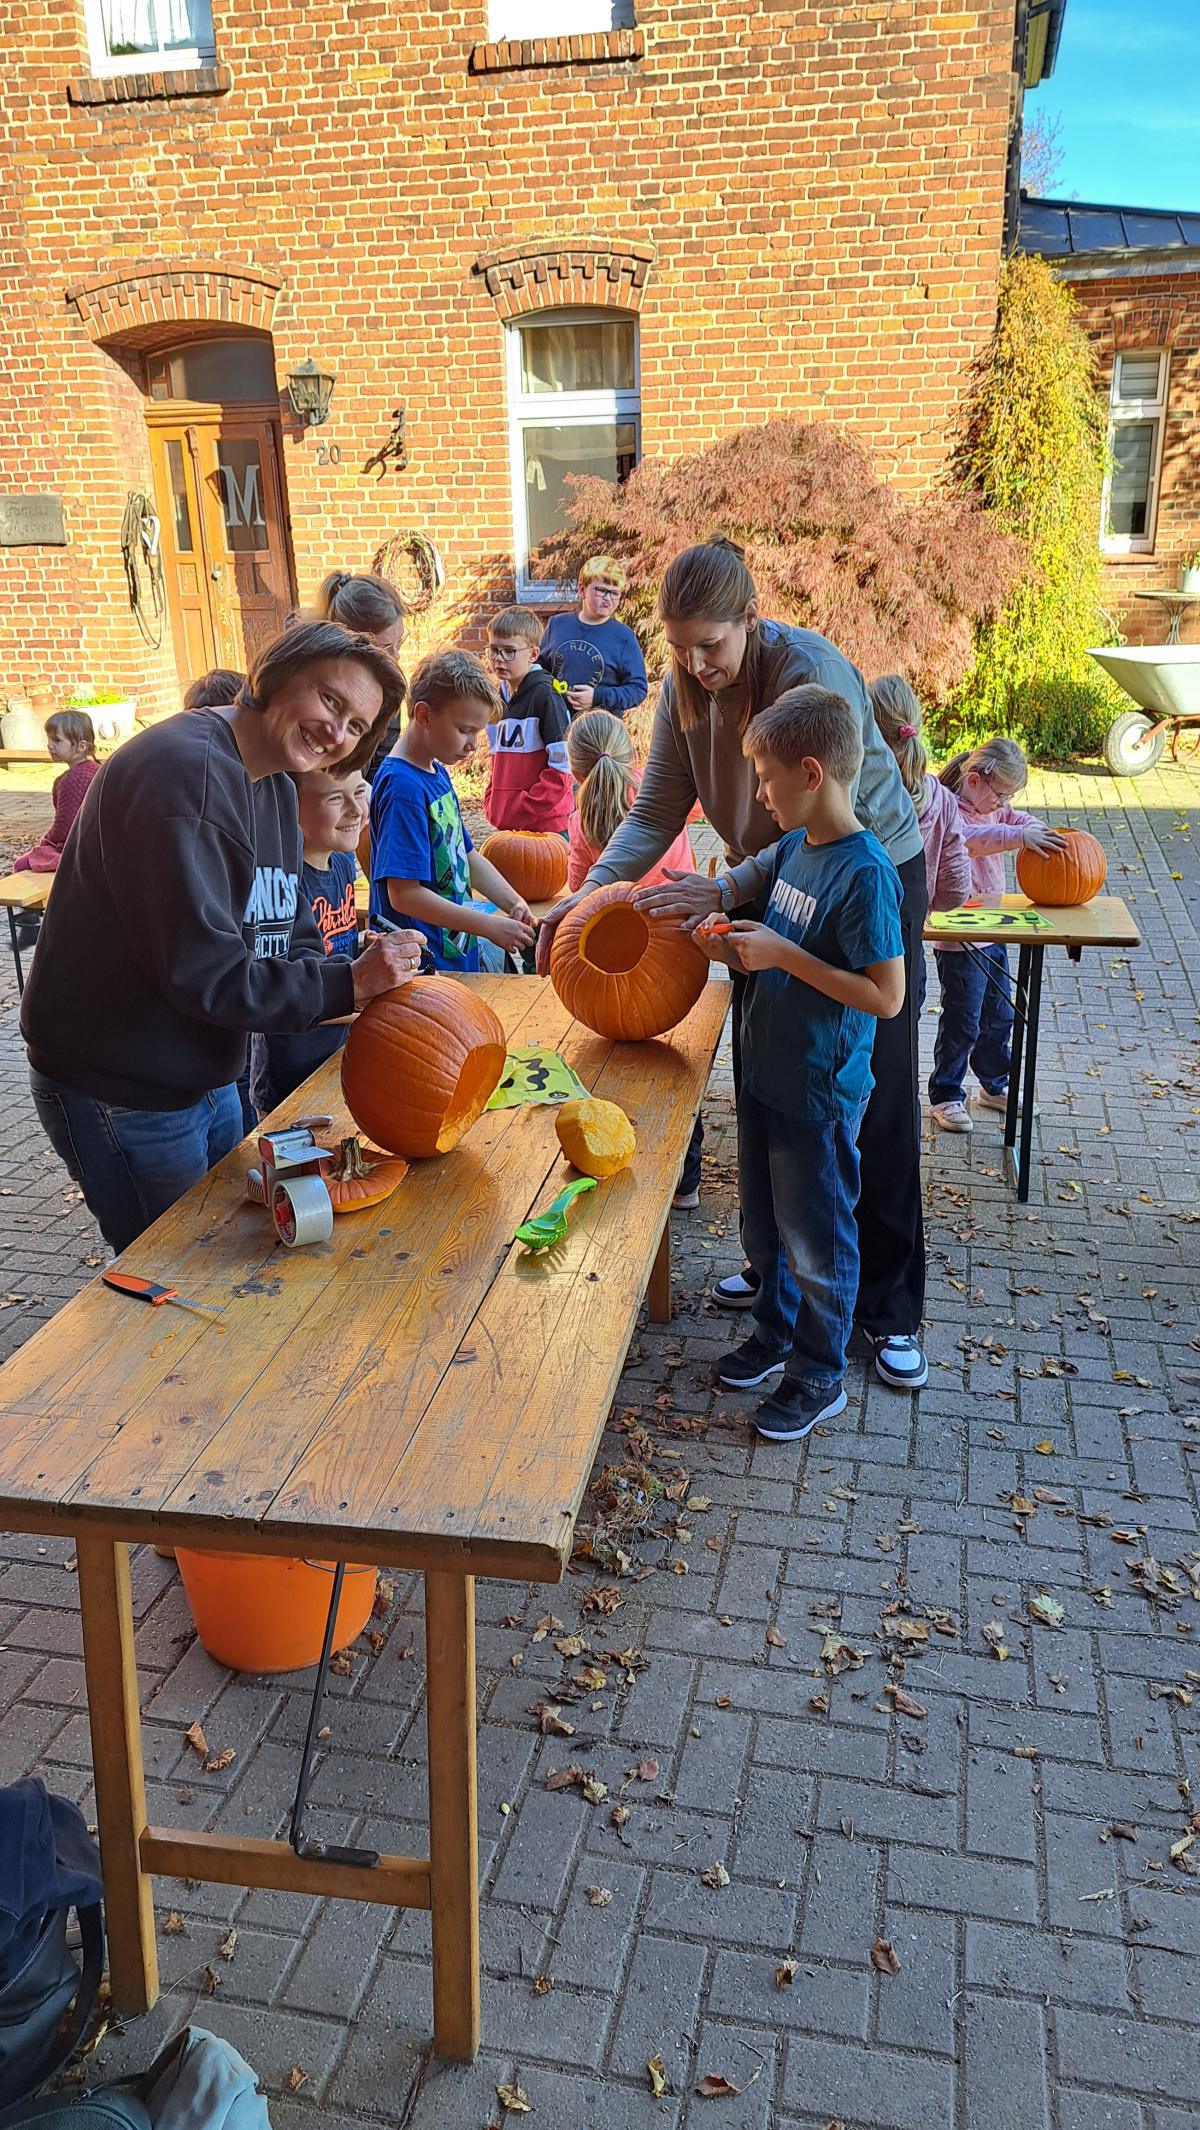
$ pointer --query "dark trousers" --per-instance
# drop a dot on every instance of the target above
(976, 1024)
(891, 1225)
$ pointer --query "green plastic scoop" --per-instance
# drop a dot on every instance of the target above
(550, 1227)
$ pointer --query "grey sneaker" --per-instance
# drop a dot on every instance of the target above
(952, 1117)
(791, 1413)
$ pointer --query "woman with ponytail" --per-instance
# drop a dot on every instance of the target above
(607, 773)
(728, 663)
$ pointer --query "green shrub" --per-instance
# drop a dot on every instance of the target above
(1031, 447)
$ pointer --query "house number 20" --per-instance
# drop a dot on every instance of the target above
(329, 455)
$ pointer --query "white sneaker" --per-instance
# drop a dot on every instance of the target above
(985, 1099)
(900, 1362)
(951, 1117)
(735, 1291)
(686, 1201)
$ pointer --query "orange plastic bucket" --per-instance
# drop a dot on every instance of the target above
(260, 1612)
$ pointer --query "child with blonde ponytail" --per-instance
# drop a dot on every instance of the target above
(607, 773)
(947, 860)
(606, 769)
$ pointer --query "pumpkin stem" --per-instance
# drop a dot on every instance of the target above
(351, 1164)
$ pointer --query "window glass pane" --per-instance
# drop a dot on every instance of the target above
(592, 356)
(556, 18)
(240, 481)
(1129, 491)
(227, 371)
(608, 449)
(182, 516)
(1137, 376)
(135, 26)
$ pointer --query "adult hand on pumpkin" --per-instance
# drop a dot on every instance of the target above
(688, 896)
(550, 924)
(387, 960)
(1037, 837)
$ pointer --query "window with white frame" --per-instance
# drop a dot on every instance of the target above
(512, 20)
(149, 36)
(1136, 420)
(573, 408)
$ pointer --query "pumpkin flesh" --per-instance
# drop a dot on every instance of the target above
(362, 1176)
(421, 1065)
(596, 1137)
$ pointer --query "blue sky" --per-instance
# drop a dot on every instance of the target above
(1127, 88)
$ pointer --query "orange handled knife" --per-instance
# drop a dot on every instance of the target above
(148, 1290)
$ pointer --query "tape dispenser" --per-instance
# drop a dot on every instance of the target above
(291, 1181)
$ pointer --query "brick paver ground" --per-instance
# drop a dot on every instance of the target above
(1014, 1828)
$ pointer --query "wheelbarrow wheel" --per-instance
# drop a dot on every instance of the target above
(1131, 745)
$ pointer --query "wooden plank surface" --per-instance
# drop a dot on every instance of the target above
(409, 1381)
(25, 891)
(1104, 922)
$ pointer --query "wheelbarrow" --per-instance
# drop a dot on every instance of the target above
(1164, 679)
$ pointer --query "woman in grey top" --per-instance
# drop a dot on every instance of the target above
(727, 662)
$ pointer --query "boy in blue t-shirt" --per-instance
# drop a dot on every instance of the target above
(332, 806)
(827, 963)
(424, 866)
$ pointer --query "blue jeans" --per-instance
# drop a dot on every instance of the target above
(798, 1185)
(976, 1024)
(131, 1164)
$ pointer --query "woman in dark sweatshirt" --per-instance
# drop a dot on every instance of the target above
(726, 663)
(176, 926)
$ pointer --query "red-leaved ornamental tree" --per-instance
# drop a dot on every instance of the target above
(899, 585)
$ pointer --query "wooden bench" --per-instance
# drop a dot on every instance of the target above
(23, 892)
(23, 754)
(418, 1392)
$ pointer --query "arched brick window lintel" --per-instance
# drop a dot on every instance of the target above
(1144, 323)
(608, 277)
(133, 308)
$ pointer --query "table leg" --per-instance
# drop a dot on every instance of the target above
(1020, 999)
(112, 1689)
(1033, 1009)
(658, 1293)
(15, 944)
(453, 1811)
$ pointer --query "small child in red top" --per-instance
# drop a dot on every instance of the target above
(70, 738)
(529, 784)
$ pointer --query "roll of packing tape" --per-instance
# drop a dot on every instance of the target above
(302, 1211)
(256, 1189)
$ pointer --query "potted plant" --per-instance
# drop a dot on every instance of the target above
(1189, 573)
(112, 713)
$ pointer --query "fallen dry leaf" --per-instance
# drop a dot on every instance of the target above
(174, 1926)
(514, 2099)
(883, 1957)
(775, 1638)
(542, 1985)
(713, 2086)
(599, 1896)
(218, 1761)
(715, 1874)
(645, 1771)
(197, 1740)
(548, 1624)
(620, 1816)
(658, 2077)
(785, 1973)
(297, 2077)
(228, 1946)
(903, 1703)
(210, 1982)
(551, 1721)
(1046, 1609)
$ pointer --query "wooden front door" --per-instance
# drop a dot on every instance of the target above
(226, 554)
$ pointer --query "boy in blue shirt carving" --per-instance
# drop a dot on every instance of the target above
(827, 963)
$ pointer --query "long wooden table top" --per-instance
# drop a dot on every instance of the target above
(1103, 922)
(25, 891)
(418, 1391)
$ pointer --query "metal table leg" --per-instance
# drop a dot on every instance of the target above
(15, 944)
(1028, 1007)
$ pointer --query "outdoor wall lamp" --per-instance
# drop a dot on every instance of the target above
(310, 391)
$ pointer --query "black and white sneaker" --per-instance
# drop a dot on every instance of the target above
(739, 1291)
(900, 1361)
(748, 1366)
(791, 1413)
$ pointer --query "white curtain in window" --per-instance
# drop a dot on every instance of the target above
(155, 25)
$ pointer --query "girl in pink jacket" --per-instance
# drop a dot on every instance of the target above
(977, 1017)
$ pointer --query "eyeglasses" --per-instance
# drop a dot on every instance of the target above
(603, 591)
(505, 651)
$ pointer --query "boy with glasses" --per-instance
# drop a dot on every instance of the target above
(596, 658)
(529, 783)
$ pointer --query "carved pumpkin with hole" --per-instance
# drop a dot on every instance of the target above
(1061, 880)
(535, 867)
(596, 1137)
(622, 973)
(420, 1066)
(362, 1176)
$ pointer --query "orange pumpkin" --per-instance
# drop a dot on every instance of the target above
(1062, 879)
(362, 1176)
(421, 1064)
(621, 972)
(535, 867)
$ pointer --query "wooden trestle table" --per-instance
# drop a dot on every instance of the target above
(418, 1392)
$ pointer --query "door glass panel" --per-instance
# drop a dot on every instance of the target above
(1129, 489)
(595, 356)
(180, 512)
(242, 495)
(221, 370)
(608, 449)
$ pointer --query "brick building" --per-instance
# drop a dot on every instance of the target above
(558, 237)
(1135, 272)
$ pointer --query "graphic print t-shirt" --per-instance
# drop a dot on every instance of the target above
(278, 1063)
(604, 655)
(418, 833)
(801, 1052)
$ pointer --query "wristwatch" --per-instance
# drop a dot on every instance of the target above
(728, 893)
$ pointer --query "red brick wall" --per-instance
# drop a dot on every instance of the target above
(1160, 309)
(819, 186)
